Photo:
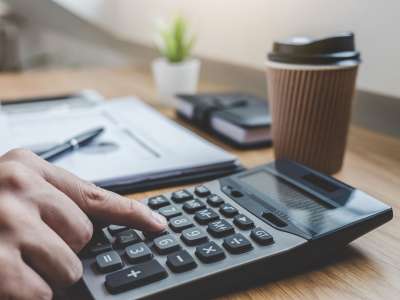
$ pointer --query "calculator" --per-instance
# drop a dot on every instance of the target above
(239, 228)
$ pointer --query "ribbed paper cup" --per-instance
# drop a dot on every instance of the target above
(311, 110)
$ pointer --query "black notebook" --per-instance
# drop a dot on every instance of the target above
(242, 120)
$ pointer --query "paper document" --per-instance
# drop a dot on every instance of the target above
(138, 143)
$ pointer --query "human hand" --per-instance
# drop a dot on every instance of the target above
(44, 222)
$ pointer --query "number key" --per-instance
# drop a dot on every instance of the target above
(169, 211)
(180, 223)
(166, 244)
(194, 236)
(193, 205)
(138, 253)
(128, 237)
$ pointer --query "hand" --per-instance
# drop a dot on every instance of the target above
(44, 222)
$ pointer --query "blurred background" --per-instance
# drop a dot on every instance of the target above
(230, 34)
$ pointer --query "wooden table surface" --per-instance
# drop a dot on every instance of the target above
(368, 269)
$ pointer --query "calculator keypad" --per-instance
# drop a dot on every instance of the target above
(169, 211)
(108, 261)
(158, 202)
(243, 222)
(193, 205)
(210, 252)
(181, 196)
(228, 211)
(203, 229)
(202, 191)
(166, 244)
(215, 200)
(138, 253)
(220, 228)
(206, 216)
(181, 261)
(194, 236)
(261, 236)
(127, 237)
(135, 276)
(237, 243)
(180, 223)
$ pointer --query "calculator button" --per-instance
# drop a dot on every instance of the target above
(237, 243)
(228, 210)
(210, 252)
(220, 228)
(166, 244)
(138, 253)
(100, 247)
(138, 275)
(206, 216)
(108, 262)
(157, 202)
(243, 222)
(202, 191)
(194, 236)
(169, 211)
(180, 223)
(193, 205)
(114, 229)
(153, 235)
(261, 236)
(180, 261)
(128, 237)
(215, 200)
(181, 196)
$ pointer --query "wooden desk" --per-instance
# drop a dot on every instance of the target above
(368, 269)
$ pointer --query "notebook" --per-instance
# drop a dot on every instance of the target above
(140, 148)
(241, 119)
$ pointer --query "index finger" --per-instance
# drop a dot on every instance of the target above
(94, 201)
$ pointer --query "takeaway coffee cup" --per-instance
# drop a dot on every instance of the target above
(311, 84)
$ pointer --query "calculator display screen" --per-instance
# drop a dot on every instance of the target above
(303, 209)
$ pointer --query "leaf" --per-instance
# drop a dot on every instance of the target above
(175, 45)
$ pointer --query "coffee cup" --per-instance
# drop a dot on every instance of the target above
(311, 84)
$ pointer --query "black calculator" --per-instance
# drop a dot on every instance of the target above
(226, 232)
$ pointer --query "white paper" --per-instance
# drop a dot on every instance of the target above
(138, 142)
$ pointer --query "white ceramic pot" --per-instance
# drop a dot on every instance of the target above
(175, 78)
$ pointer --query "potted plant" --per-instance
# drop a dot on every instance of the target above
(176, 71)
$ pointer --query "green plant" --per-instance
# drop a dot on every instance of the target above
(174, 41)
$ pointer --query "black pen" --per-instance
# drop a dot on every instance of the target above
(72, 144)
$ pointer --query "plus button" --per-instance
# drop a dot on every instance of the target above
(134, 273)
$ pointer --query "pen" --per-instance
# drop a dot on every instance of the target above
(72, 144)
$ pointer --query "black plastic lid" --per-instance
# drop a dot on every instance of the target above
(325, 51)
